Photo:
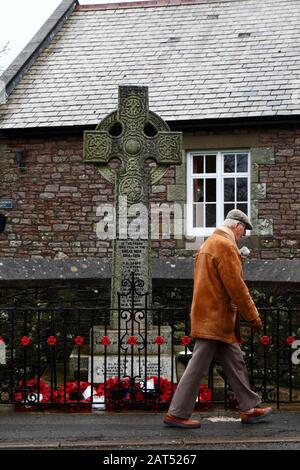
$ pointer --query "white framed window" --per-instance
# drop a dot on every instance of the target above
(216, 183)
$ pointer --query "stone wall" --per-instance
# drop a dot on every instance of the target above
(55, 198)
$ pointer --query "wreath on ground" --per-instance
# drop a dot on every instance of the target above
(35, 394)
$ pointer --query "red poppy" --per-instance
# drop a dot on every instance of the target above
(132, 340)
(52, 341)
(186, 340)
(31, 383)
(166, 395)
(265, 340)
(25, 340)
(204, 393)
(79, 340)
(105, 340)
(1, 340)
(289, 340)
(159, 340)
(138, 396)
(101, 389)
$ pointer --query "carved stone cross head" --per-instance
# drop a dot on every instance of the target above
(133, 134)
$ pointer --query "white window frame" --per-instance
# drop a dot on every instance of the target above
(219, 176)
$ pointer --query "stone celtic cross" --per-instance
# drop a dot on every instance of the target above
(133, 134)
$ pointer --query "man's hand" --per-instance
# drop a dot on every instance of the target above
(256, 324)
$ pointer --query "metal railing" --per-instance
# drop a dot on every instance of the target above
(77, 358)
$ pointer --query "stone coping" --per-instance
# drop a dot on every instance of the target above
(48, 270)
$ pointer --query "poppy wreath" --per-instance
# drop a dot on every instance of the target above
(164, 388)
(66, 398)
(31, 395)
(115, 389)
(121, 392)
(70, 397)
(118, 392)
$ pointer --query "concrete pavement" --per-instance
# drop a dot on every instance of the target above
(143, 430)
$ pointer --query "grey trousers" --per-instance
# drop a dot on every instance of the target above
(231, 358)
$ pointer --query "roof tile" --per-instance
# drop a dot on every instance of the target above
(195, 67)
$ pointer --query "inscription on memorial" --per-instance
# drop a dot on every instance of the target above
(127, 368)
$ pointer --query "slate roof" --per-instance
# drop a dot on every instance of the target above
(202, 59)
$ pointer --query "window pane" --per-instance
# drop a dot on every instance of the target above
(198, 190)
(198, 164)
(242, 189)
(198, 215)
(210, 163)
(242, 162)
(210, 190)
(229, 163)
(232, 169)
(227, 208)
(243, 207)
(211, 215)
(228, 189)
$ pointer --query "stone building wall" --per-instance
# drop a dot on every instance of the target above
(55, 198)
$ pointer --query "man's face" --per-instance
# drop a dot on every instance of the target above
(239, 231)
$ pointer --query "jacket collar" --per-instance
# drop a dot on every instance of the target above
(227, 233)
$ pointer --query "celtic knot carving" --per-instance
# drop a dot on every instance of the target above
(133, 167)
(135, 125)
(132, 187)
(97, 146)
(132, 107)
(168, 148)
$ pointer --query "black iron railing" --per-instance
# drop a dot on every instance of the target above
(77, 358)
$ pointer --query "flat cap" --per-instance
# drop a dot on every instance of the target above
(236, 214)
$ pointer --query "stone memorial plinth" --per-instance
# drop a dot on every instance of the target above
(131, 359)
(102, 362)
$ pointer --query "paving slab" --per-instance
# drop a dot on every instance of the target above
(143, 430)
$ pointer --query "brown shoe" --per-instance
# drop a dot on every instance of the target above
(174, 422)
(257, 415)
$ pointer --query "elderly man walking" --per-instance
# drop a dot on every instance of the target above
(219, 295)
